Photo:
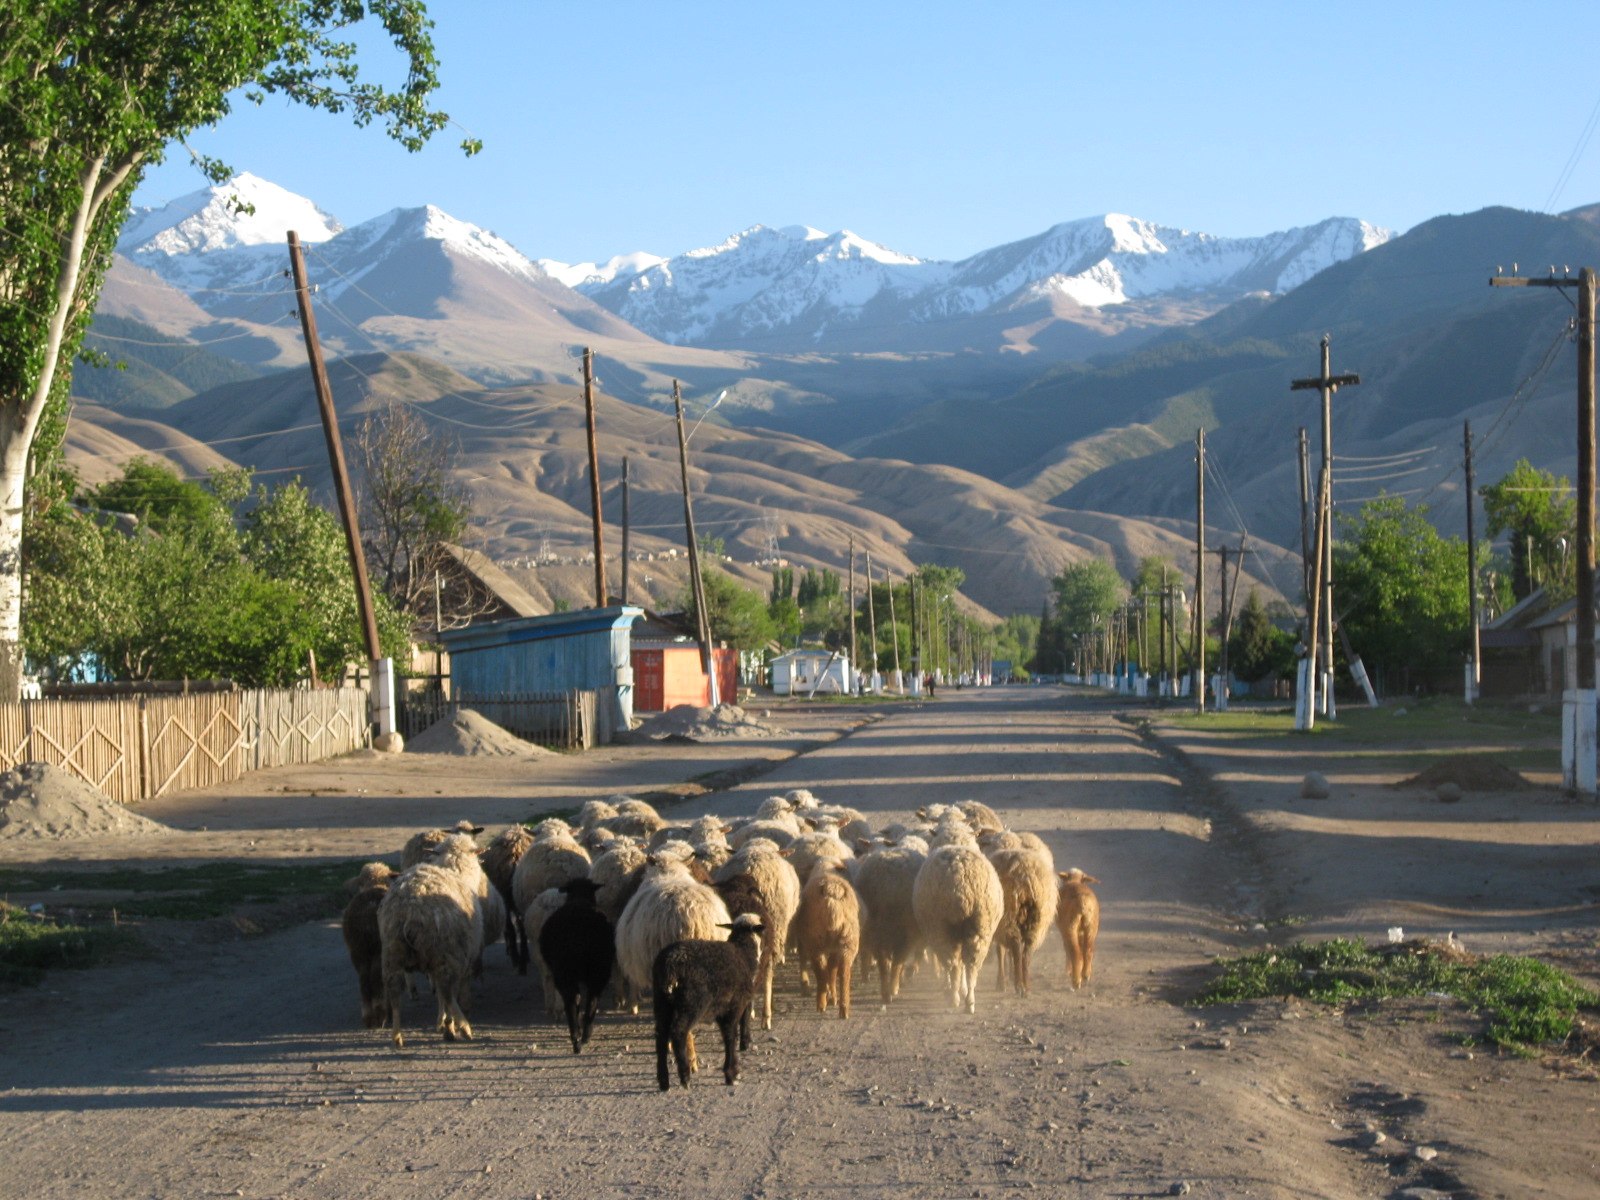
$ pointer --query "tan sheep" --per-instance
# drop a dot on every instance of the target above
(432, 921)
(959, 905)
(1028, 883)
(828, 930)
(1078, 919)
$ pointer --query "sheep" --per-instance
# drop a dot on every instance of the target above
(1027, 881)
(364, 942)
(980, 816)
(779, 888)
(811, 848)
(952, 830)
(958, 902)
(1078, 919)
(890, 936)
(500, 858)
(432, 921)
(539, 910)
(742, 894)
(577, 949)
(593, 812)
(552, 860)
(800, 798)
(597, 841)
(695, 979)
(669, 906)
(634, 818)
(828, 930)
(419, 844)
(780, 830)
(617, 873)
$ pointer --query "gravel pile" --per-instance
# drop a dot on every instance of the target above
(708, 724)
(40, 802)
(471, 733)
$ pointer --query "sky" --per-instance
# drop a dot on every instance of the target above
(941, 129)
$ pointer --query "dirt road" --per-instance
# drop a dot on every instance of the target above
(241, 1072)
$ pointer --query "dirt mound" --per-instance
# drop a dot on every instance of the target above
(708, 724)
(40, 802)
(1469, 772)
(470, 732)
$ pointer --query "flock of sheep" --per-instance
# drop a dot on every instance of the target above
(701, 914)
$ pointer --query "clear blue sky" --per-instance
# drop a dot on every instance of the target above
(941, 129)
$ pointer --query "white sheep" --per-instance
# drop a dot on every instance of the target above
(669, 906)
(432, 921)
(1028, 882)
(959, 904)
(890, 937)
(552, 860)
(617, 873)
(779, 888)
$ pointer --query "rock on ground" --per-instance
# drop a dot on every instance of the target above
(469, 732)
(40, 802)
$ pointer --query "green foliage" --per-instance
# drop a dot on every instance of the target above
(1086, 594)
(736, 613)
(1402, 590)
(1524, 1002)
(30, 945)
(819, 585)
(782, 585)
(1257, 648)
(186, 594)
(1015, 639)
(152, 370)
(1539, 512)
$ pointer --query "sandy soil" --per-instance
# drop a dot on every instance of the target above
(242, 1071)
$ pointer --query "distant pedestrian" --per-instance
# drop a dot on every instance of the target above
(927, 682)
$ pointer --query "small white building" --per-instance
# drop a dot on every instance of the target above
(799, 672)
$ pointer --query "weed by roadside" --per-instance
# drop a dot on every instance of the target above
(183, 893)
(31, 944)
(1525, 1003)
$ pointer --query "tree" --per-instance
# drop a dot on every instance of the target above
(1402, 591)
(735, 613)
(1258, 648)
(1536, 508)
(95, 90)
(1086, 594)
(411, 504)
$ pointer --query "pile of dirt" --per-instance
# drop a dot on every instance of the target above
(708, 724)
(40, 802)
(470, 732)
(1469, 772)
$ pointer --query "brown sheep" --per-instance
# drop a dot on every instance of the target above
(364, 942)
(829, 932)
(1078, 919)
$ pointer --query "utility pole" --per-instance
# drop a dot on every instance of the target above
(696, 583)
(1228, 598)
(1305, 528)
(1327, 384)
(852, 609)
(1305, 711)
(594, 482)
(1578, 704)
(872, 627)
(1474, 669)
(1200, 570)
(894, 637)
(624, 530)
(382, 668)
(916, 644)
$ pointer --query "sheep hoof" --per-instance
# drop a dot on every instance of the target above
(399, 1041)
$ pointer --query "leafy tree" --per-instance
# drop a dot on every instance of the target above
(735, 613)
(1536, 508)
(1258, 649)
(94, 91)
(1086, 594)
(1402, 590)
(782, 585)
(1015, 640)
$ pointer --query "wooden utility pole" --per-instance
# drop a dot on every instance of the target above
(624, 530)
(1200, 570)
(1306, 712)
(696, 583)
(594, 482)
(894, 637)
(872, 624)
(1578, 749)
(852, 609)
(1474, 663)
(1327, 384)
(1305, 526)
(330, 431)
(1228, 599)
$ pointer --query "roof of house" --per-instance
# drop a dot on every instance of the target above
(496, 582)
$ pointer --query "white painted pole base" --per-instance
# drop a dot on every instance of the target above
(1305, 703)
(1219, 693)
(1578, 740)
(1330, 709)
(1470, 681)
(381, 699)
(1358, 672)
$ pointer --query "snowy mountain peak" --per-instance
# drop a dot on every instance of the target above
(588, 275)
(211, 219)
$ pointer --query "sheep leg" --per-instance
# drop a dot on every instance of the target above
(886, 979)
(844, 984)
(730, 1048)
(394, 986)
(663, 1039)
(569, 1001)
(683, 1050)
(591, 1002)
(819, 967)
(766, 1012)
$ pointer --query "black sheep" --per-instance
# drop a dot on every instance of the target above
(579, 949)
(695, 980)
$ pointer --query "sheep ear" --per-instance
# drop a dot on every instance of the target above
(1065, 874)
(475, 830)
(720, 925)
(1090, 879)
(863, 844)
(727, 829)
(923, 813)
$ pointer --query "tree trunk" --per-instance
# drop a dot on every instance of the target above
(13, 475)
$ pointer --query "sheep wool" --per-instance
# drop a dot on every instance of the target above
(959, 904)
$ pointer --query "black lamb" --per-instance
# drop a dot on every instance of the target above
(579, 949)
(695, 980)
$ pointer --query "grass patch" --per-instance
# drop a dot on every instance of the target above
(1524, 1002)
(30, 945)
(187, 893)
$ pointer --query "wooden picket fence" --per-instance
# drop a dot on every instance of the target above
(137, 747)
(562, 720)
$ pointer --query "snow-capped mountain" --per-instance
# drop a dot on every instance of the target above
(587, 276)
(803, 285)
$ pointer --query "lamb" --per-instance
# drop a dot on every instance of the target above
(959, 904)
(779, 888)
(432, 921)
(1027, 881)
(695, 979)
(1078, 919)
(890, 936)
(553, 859)
(577, 949)
(418, 845)
(364, 942)
(669, 906)
(828, 930)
